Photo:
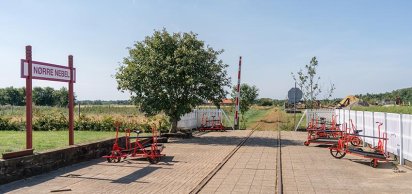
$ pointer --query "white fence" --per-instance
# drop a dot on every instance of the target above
(397, 126)
(194, 119)
(318, 113)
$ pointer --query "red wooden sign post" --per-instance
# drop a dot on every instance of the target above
(29, 111)
(45, 71)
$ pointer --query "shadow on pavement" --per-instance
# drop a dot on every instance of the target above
(136, 175)
(35, 180)
(366, 162)
(67, 172)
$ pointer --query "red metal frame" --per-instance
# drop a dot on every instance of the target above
(352, 134)
(322, 134)
(212, 124)
(377, 154)
(138, 150)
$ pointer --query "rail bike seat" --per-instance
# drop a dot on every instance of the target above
(137, 131)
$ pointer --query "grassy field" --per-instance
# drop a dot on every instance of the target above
(46, 140)
(255, 113)
(388, 109)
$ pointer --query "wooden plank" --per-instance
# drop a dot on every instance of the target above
(16, 154)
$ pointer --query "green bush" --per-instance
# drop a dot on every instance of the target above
(51, 122)
(6, 124)
(55, 121)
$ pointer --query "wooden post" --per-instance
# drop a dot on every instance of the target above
(29, 110)
(71, 103)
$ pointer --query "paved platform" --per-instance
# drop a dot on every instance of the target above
(311, 169)
(252, 169)
(187, 162)
(306, 169)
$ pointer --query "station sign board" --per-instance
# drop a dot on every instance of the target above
(46, 71)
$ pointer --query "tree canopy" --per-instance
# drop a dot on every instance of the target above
(248, 96)
(172, 73)
(41, 96)
(308, 81)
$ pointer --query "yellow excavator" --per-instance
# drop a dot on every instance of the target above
(347, 101)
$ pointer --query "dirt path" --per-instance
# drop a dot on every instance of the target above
(272, 120)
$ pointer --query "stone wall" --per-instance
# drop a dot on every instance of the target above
(27, 166)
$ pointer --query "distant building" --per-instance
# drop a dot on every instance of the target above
(227, 102)
(224, 102)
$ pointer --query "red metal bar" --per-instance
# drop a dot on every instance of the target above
(71, 103)
(29, 110)
(236, 123)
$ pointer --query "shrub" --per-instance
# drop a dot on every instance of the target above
(6, 124)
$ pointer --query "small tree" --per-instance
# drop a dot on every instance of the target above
(248, 96)
(61, 97)
(172, 73)
(308, 81)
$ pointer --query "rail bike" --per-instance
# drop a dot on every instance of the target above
(376, 153)
(319, 131)
(213, 124)
(148, 148)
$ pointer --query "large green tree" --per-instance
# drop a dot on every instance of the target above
(248, 96)
(173, 73)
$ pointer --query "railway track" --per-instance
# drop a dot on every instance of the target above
(279, 182)
(203, 183)
(279, 186)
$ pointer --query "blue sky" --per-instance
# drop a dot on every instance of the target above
(362, 46)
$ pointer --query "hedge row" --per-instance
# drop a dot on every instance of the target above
(49, 122)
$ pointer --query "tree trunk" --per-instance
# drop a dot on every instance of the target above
(174, 126)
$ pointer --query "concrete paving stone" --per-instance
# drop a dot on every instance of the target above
(315, 170)
(186, 163)
(252, 166)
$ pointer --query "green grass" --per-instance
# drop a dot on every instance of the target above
(254, 115)
(288, 124)
(388, 109)
(46, 140)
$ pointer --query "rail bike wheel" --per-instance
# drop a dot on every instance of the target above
(355, 141)
(336, 153)
(306, 143)
(374, 163)
(117, 156)
(155, 159)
